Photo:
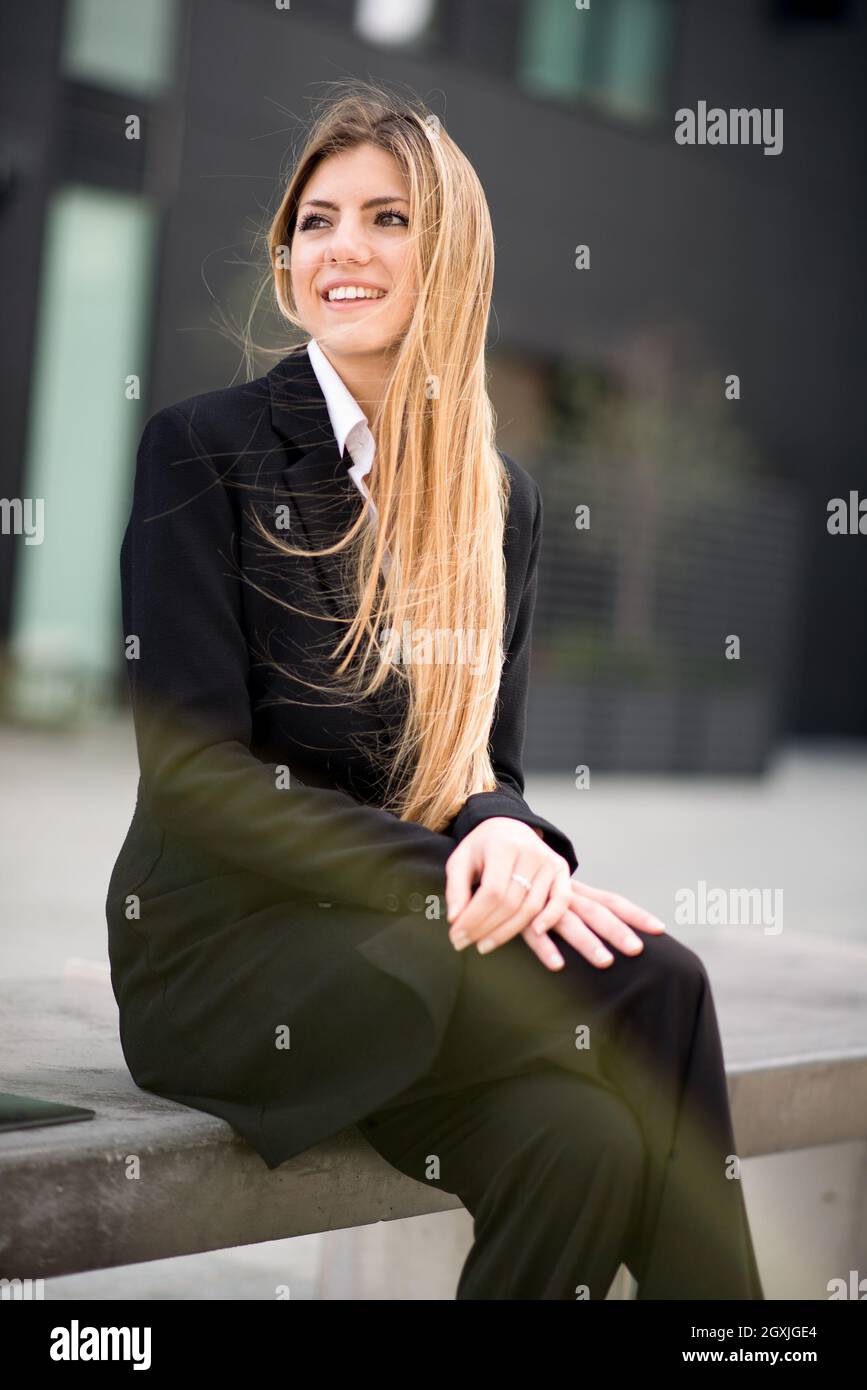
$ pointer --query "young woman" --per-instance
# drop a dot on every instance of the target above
(333, 905)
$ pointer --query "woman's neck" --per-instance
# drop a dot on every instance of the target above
(365, 376)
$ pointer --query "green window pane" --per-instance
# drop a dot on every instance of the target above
(96, 285)
(552, 49)
(125, 45)
(642, 37)
(615, 54)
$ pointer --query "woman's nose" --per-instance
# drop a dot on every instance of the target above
(348, 242)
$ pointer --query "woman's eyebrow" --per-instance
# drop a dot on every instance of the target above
(371, 202)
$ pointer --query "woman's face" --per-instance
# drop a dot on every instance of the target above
(352, 230)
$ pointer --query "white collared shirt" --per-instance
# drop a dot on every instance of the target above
(350, 425)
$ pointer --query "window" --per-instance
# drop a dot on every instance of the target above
(123, 45)
(616, 54)
(95, 288)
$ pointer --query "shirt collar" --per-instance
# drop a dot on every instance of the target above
(343, 409)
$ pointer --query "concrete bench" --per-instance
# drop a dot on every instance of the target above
(792, 1016)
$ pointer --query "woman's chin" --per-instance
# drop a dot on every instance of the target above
(354, 337)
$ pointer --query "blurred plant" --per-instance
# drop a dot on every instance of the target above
(656, 454)
(587, 655)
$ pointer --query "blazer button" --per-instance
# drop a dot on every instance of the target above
(392, 902)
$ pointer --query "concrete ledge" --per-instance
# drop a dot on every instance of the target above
(792, 1016)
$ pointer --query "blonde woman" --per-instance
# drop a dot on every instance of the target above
(334, 905)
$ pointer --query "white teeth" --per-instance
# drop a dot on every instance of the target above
(354, 292)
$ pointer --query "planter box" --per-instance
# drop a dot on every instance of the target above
(621, 729)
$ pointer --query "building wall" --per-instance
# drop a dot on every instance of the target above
(719, 259)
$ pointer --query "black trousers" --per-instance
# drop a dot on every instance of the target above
(582, 1117)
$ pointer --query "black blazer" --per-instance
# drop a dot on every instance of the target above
(278, 941)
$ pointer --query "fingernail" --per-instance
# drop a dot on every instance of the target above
(656, 923)
(635, 944)
(484, 947)
(459, 941)
(556, 961)
(603, 957)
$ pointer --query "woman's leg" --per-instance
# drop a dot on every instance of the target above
(694, 1241)
(549, 1165)
(646, 1029)
(660, 1046)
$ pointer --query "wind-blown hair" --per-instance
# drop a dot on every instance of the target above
(439, 485)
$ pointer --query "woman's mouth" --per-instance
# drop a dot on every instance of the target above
(346, 297)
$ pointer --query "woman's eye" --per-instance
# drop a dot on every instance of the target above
(312, 217)
(392, 212)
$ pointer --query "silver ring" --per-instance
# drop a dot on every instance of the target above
(519, 878)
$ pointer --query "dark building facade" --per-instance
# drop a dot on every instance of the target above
(144, 150)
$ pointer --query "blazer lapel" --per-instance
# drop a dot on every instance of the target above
(323, 499)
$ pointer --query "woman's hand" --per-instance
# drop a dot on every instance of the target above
(501, 907)
(594, 916)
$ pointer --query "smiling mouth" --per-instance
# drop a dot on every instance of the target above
(351, 295)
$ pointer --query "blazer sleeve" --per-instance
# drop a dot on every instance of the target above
(508, 728)
(188, 667)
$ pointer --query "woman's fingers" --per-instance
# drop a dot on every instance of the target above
(491, 855)
(628, 911)
(501, 906)
(606, 924)
(559, 901)
(528, 903)
(583, 926)
(462, 868)
(544, 948)
(592, 918)
(578, 934)
(586, 942)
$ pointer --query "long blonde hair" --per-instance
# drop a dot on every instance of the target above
(439, 485)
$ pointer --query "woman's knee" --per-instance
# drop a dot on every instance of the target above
(600, 1131)
(667, 960)
(572, 1125)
